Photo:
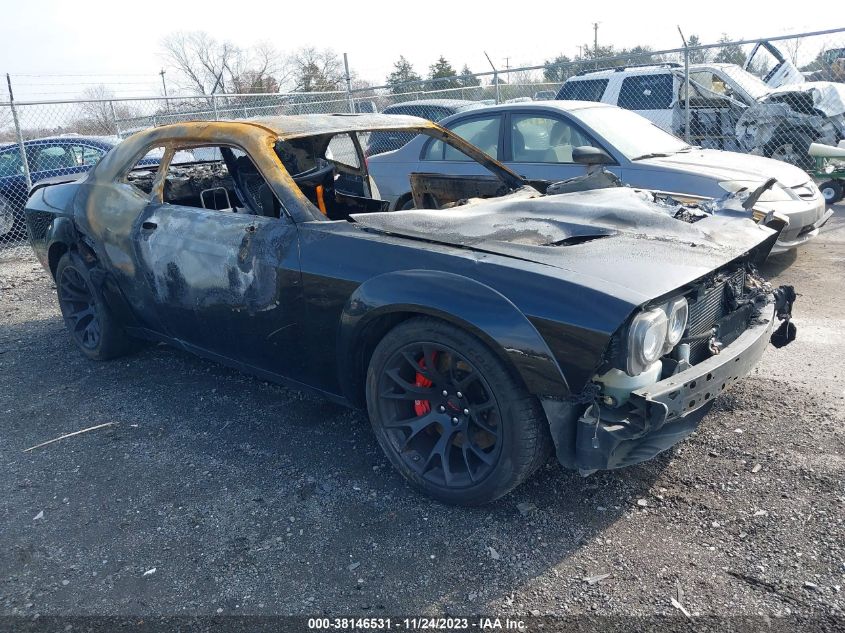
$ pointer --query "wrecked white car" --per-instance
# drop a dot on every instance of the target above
(729, 108)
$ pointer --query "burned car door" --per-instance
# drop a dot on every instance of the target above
(224, 276)
(435, 191)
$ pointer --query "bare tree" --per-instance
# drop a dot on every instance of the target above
(200, 60)
(317, 70)
(260, 68)
(205, 65)
(791, 48)
(100, 111)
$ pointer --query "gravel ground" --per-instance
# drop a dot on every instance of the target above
(213, 492)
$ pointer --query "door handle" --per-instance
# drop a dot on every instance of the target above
(149, 226)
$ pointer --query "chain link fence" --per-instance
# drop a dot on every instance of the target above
(768, 96)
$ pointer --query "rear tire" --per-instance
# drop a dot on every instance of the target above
(474, 444)
(91, 325)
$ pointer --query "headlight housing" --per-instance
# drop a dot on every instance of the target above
(655, 332)
(677, 312)
(646, 338)
(778, 193)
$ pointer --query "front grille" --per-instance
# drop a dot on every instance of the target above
(805, 191)
(709, 307)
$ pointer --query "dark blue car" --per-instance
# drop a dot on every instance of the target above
(47, 158)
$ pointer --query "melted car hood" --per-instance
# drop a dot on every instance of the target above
(731, 166)
(619, 236)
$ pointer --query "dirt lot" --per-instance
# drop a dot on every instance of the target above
(214, 492)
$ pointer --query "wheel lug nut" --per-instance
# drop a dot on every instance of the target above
(442, 409)
(445, 393)
(455, 420)
(459, 394)
(466, 411)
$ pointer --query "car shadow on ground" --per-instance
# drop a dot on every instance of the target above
(229, 486)
(776, 264)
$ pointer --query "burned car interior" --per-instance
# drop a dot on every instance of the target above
(329, 170)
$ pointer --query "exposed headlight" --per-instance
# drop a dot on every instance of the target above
(646, 339)
(677, 311)
(778, 193)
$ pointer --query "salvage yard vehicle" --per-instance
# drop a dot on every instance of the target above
(483, 330)
(431, 109)
(46, 158)
(538, 141)
(829, 170)
(730, 108)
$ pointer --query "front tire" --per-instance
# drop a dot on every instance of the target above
(450, 416)
(87, 317)
(791, 146)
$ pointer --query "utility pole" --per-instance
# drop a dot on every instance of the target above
(164, 88)
(349, 99)
(596, 43)
(595, 39)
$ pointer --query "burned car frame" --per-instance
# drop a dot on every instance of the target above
(483, 330)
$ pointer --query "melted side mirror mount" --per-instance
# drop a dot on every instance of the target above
(587, 155)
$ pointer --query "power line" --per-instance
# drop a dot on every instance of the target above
(82, 74)
(88, 83)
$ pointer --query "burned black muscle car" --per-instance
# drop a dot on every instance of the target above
(491, 325)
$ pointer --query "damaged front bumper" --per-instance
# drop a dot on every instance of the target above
(794, 239)
(662, 414)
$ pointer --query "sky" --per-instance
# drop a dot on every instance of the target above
(54, 49)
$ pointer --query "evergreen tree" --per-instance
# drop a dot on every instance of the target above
(403, 73)
(730, 54)
(441, 75)
(556, 70)
(467, 79)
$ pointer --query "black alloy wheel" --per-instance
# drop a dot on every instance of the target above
(440, 414)
(451, 415)
(79, 309)
(86, 314)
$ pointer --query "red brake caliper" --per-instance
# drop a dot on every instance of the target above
(421, 407)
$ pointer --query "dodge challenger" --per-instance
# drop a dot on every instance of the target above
(497, 322)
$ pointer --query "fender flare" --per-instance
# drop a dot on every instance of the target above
(61, 231)
(464, 302)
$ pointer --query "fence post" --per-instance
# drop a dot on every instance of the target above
(19, 134)
(214, 106)
(686, 93)
(349, 99)
(114, 118)
(496, 81)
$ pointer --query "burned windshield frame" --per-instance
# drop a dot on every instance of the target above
(305, 154)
